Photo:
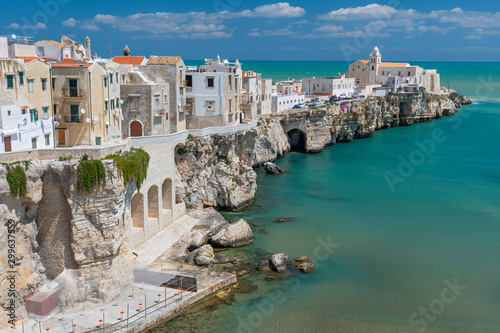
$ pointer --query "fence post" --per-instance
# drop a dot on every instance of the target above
(145, 306)
(165, 297)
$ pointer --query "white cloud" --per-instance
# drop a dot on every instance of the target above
(369, 12)
(282, 9)
(473, 37)
(70, 23)
(38, 26)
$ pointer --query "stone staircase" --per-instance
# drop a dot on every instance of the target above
(158, 244)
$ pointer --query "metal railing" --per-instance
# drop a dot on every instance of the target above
(73, 119)
(157, 306)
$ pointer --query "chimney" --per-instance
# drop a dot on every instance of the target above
(88, 52)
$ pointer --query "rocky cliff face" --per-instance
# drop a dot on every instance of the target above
(58, 229)
(217, 170)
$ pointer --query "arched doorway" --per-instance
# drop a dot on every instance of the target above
(137, 210)
(135, 128)
(166, 194)
(153, 204)
(297, 140)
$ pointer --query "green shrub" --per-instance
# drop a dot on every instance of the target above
(132, 164)
(16, 177)
(90, 175)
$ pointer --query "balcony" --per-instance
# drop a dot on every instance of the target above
(73, 119)
(72, 93)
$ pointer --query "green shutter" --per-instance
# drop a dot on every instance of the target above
(10, 81)
(31, 115)
(36, 115)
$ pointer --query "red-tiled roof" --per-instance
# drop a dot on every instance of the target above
(394, 64)
(28, 59)
(129, 60)
(72, 64)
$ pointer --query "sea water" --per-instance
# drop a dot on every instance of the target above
(420, 254)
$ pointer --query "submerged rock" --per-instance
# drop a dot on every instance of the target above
(222, 259)
(264, 266)
(284, 219)
(280, 276)
(273, 169)
(237, 234)
(303, 264)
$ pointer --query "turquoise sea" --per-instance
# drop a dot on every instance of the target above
(422, 256)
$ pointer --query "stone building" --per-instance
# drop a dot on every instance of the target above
(328, 86)
(212, 99)
(23, 126)
(78, 96)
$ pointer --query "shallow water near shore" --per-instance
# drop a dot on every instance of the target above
(386, 257)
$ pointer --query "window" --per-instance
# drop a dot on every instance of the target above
(157, 105)
(373, 68)
(45, 111)
(117, 81)
(211, 82)
(73, 87)
(24, 111)
(106, 105)
(112, 104)
(105, 82)
(210, 106)
(230, 82)
(55, 109)
(33, 143)
(53, 84)
(33, 115)
(383, 72)
(9, 113)
(111, 79)
(21, 78)
(189, 81)
(44, 84)
(165, 98)
(75, 115)
(47, 139)
(409, 74)
(134, 104)
(10, 81)
(30, 85)
(41, 51)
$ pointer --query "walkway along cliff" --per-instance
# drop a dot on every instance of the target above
(217, 170)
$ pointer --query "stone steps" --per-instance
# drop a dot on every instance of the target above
(158, 244)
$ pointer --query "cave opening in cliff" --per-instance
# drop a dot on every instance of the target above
(405, 111)
(297, 140)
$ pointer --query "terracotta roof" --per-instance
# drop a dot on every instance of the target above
(163, 60)
(28, 59)
(129, 60)
(78, 44)
(365, 61)
(49, 59)
(394, 64)
(75, 64)
(53, 42)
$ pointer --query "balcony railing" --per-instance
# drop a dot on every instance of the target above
(73, 119)
(72, 93)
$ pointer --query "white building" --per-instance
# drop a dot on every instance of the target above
(211, 99)
(328, 86)
(374, 71)
(4, 47)
(286, 102)
(265, 105)
(22, 126)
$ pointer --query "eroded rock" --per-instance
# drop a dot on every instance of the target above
(237, 234)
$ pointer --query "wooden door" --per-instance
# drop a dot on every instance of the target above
(135, 129)
(61, 134)
(8, 144)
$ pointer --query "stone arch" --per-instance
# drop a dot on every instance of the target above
(297, 140)
(136, 129)
(137, 210)
(180, 153)
(167, 194)
(153, 202)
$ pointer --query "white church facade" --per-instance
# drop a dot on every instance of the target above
(375, 72)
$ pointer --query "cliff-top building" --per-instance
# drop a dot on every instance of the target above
(376, 72)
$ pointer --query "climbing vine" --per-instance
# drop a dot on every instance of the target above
(16, 177)
(132, 164)
(90, 174)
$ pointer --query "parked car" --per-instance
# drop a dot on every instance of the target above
(298, 106)
(355, 96)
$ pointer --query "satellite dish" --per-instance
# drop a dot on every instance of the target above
(59, 116)
(83, 111)
(46, 116)
(14, 36)
(121, 101)
(87, 120)
(56, 123)
(96, 118)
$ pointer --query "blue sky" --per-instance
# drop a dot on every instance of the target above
(265, 30)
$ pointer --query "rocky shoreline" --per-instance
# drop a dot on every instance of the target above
(218, 170)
